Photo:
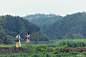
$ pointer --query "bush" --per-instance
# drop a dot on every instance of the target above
(30, 48)
(25, 54)
(41, 48)
(73, 53)
(57, 48)
(35, 55)
(63, 49)
(48, 55)
(50, 49)
(84, 53)
(56, 52)
(50, 45)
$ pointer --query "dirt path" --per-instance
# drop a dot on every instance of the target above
(6, 50)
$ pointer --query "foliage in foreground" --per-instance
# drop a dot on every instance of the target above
(45, 51)
(45, 54)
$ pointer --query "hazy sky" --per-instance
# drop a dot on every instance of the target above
(25, 7)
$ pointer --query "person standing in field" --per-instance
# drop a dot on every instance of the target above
(28, 38)
(18, 43)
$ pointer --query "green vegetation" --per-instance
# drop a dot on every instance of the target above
(3, 45)
(42, 54)
(68, 32)
(4, 38)
(57, 27)
(69, 27)
(43, 20)
(17, 24)
(36, 16)
(37, 36)
(44, 51)
(11, 25)
(72, 43)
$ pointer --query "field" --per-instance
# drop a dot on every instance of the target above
(55, 48)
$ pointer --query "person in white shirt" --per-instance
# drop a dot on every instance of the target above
(18, 44)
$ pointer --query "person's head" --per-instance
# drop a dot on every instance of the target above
(27, 33)
(18, 33)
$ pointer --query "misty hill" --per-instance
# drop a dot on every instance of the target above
(70, 27)
(42, 20)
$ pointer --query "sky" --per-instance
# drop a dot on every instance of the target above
(27, 7)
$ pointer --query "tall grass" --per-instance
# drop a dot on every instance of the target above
(72, 43)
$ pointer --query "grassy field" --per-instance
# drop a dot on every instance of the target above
(55, 48)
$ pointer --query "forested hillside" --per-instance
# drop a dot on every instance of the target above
(15, 24)
(4, 38)
(42, 20)
(70, 27)
(11, 25)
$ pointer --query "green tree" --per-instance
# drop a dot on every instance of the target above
(65, 37)
(2, 22)
(37, 36)
(22, 32)
(77, 36)
(4, 38)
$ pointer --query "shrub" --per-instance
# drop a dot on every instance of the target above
(35, 55)
(50, 45)
(48, 55)
(73, 53)
(84, 53)
(63, 49)
(56, 52)
(57, 48)
(41, 48)
(30, 48)
(25, 54)
(50, 49)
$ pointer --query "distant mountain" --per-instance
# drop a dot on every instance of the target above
(42, 20)
(69, 27)
(36, 16)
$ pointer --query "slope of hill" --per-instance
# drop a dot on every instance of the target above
(42, 20)
(70, 27)
(17, 24)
